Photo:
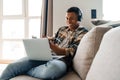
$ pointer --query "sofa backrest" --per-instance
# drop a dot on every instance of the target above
(106, 64)
(87, 50)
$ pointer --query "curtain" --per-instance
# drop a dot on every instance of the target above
(47, 18)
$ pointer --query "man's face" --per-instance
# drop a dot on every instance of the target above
(71, 19)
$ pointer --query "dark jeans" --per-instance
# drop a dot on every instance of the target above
(40, 69)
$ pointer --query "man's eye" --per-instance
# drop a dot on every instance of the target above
(66, 18)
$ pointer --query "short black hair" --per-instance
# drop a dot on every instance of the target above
(77, 11)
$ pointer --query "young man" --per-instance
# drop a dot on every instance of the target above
(64, 43)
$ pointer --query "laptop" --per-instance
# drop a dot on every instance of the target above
(38, 49)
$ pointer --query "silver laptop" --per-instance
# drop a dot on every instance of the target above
(37, 49)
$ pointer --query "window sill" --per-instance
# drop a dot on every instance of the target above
(2, 61)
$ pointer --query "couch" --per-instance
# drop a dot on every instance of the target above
(97, 56)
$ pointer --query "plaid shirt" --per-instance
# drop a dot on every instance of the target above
(65, 38)
(68, 39)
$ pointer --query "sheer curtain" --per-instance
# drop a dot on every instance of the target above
(47, 18)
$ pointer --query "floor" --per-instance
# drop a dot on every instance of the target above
(2, 67)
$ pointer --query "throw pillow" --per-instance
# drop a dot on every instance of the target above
(106, 64)
(87, 50)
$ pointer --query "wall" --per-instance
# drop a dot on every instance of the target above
(60, 7)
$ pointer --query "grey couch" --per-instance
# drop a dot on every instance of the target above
(97, 57)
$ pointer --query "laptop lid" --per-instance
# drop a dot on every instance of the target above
(37, 49)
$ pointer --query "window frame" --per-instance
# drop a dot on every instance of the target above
(24, 16)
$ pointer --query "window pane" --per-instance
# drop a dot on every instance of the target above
(34, 7)
(12, 7)
(13, 29)
(34, 28)
(13, 50)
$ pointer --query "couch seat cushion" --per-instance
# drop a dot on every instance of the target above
(24, 77)
(69, 76)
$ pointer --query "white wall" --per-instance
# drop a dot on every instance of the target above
(60, 7)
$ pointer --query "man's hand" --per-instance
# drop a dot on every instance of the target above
(57, 49)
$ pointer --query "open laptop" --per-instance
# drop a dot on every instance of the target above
(38, 49)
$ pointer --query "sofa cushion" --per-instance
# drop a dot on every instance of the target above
(106, 65)
(24, 77)
(112, 24)
(69, 76)
(99, 22)
(87, 50)
(106, 23)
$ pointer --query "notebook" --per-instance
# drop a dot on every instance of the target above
(37, 49)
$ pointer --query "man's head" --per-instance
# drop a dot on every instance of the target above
(77, 11)
(73, 15)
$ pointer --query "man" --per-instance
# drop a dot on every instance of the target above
(64, 43)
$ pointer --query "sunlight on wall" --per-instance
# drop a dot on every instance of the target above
(111, 10)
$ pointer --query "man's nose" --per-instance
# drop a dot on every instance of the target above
(69, 20)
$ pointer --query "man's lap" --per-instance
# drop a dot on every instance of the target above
(30, 67)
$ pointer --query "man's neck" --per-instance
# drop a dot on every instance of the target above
(73, 28)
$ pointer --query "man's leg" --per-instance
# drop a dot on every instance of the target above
(18, 68)
(51, 70)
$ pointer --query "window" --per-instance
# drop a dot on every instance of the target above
(19, 19)
(111, 10)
